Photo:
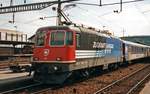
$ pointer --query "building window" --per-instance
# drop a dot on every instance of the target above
(69, 38)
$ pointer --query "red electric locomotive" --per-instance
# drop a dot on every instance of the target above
(54, 51)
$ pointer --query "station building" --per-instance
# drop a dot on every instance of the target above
(12, 42)
(10, 35)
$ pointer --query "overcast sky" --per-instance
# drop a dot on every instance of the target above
(133, 20)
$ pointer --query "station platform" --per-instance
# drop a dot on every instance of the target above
(7, 74)
(146, 89)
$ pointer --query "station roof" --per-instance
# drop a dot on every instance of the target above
(15, 42)
(13, 39)
(10, 31)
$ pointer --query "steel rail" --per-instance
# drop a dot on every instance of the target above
(46, 89)
(41, 91)
(114, 83)
(138, 84)
(21, 88)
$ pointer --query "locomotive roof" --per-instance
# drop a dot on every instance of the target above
(79, 29)
(55, 27)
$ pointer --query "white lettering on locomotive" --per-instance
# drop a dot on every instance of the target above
(102, 45)
(101, 53)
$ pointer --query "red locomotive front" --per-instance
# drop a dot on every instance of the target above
(54, 46)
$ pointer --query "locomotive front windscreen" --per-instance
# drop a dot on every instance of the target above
(57, 38)
(61, 38)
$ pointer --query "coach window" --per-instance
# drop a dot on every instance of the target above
(142, 50)
(69, 38)
(40, 38)
(136, 49)
(77, 40)
(57, 38)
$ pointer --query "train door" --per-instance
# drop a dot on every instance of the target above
(149, 52)
(146, 51)
(123, 52)
(130, 51)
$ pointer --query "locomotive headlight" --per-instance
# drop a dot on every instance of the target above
(46, 52)
(55, 68)
(35, 58)
(58, 58)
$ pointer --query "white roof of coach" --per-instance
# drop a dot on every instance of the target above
(135, 44)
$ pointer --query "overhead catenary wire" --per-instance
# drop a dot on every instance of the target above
(109, 4)
(107, 22)
(143, 13)
(94, 14)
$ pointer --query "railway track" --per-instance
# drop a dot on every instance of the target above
(89, 86)
(37, 88)
(21, 89)
(127, 84)
(135, 87)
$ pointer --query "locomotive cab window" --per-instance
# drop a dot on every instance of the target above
(57, 38)
(40, 38)
(77, 40)
(69, 38)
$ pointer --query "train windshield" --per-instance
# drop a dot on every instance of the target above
(59, 38)
(40, 37)
(69, 38)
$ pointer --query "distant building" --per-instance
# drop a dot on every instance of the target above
(10, 35)
(12, 42)
(138, 39)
